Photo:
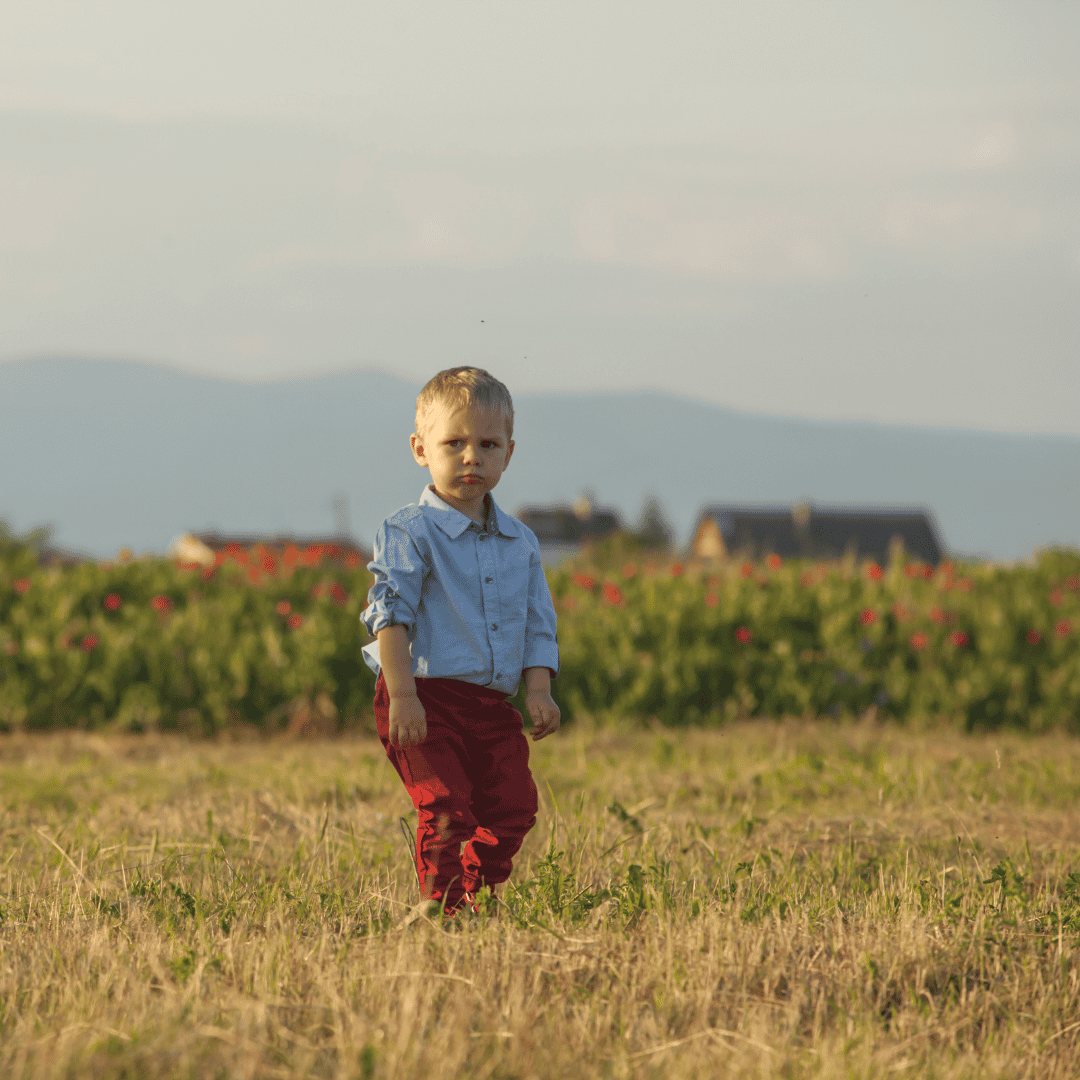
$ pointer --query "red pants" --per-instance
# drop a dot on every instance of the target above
(470, 783)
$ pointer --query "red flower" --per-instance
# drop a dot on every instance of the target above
(743, 635)
(267, 563)
(774, 562)
(292, 554)
(583, 580)
(338, 595)
(283, 607)
(746, 569)
(161, 603)
(611, 593)
(569, 603)
(958, 638)
(208, 573)
(874, 572)
(918, 641)
(911, 569)
(711, 599)
(676, 569)
(937, 615)
(88, 642)
(352, 560)
(295, 622)
(964, 584)
(629, 570)
(1062, 628)
(806, 579)
(1033, 636)
(868, 617)
(928, 571)
(254, 575)
(1055, 597)
(21, 585)
(112, 602)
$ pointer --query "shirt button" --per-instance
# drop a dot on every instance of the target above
(488, 580)
(494, 626)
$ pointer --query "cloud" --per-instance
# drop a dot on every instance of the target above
(956, 224)
(449, 217)
(994, 146)
(752, 244)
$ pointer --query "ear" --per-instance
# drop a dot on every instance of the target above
(418, 449)
(509, 452)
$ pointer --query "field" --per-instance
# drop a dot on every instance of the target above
(258, 642)
(761, 899)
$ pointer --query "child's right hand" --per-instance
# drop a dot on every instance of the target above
(408, 721)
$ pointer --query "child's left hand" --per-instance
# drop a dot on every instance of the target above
(544, 712)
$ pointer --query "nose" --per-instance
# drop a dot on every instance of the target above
(472, 454)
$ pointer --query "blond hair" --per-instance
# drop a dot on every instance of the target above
(459, 387)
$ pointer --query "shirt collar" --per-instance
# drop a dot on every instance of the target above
(454, 522)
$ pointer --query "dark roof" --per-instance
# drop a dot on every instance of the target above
(824, 532)
(54, 556)
(559, 524)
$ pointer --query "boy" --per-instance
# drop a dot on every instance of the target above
(461, 612)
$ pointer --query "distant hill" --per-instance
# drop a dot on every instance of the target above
(114, 453)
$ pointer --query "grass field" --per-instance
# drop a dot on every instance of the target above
(766, 900)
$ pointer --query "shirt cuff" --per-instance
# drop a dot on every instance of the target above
(379, 616)
(542, 655)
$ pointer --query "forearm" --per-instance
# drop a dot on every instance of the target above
(395, 661)
(537, 678)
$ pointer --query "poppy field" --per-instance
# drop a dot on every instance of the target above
(264, 642)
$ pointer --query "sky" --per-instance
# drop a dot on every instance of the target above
(827, 210)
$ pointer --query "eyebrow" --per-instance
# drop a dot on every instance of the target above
(483, 438)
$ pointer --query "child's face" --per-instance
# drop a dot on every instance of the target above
(466, 450)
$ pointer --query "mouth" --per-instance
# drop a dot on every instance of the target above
(472, 478)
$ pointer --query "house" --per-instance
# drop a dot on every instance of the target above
(563, 529)
(211, 549)
(807, 531)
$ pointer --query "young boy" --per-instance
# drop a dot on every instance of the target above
(461, 612)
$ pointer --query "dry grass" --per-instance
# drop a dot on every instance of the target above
(789, 901)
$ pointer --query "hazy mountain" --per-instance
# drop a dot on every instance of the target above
(113, 453)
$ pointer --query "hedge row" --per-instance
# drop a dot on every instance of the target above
(152, 644)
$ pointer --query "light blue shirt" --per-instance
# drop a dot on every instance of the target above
(474, 602)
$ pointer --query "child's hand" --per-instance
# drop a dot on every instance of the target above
(408, 721)
(544, 712)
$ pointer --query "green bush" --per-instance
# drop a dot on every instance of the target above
(153, 644)
(984, 646)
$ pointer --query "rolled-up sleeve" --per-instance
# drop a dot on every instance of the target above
(541, 645)
(399, 570)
